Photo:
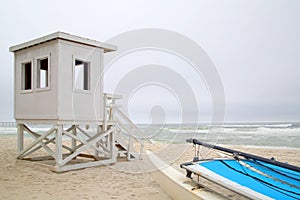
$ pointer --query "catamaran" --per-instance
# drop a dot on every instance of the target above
(249, 175)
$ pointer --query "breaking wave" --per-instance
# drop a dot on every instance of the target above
(257, 125)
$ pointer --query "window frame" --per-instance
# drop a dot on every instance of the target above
(89, 90)
(39, 89)
(23, 63)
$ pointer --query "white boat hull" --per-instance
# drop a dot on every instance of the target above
(176, 184)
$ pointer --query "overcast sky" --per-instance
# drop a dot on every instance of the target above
(255, 44)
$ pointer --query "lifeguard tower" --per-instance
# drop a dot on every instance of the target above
(59, 84)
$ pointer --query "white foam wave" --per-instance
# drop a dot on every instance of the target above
(257, 125)
(8, 130)
(188, 130)
(285, 131)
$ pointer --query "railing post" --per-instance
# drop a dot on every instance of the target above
(142, 151)
(104, 112)
(112, 144)
(113, 103)
(112, 113)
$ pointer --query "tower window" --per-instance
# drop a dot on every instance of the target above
(42, 73)
(26, 76)
(82, 75)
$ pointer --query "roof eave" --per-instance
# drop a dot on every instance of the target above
(64, 36)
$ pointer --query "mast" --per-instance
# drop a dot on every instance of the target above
(246, 155)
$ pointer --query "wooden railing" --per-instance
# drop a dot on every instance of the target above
(130, 132)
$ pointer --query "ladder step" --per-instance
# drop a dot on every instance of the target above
(120, 147)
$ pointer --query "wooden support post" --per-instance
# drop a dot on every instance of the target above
(20, 138)
(59, 131)
(112, 144)
(74, 132)
(99, 130)
(130, 147)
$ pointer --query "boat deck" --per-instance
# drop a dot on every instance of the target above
(254, 179)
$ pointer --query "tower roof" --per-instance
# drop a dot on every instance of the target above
(64, 36)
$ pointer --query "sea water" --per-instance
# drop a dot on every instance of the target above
(245, 134)
(281, 135)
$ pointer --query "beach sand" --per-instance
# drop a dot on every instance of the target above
(27, 180)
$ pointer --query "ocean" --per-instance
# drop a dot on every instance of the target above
(282, 135)
(246, 134)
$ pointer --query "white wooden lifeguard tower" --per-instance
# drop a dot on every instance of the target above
(59, 83)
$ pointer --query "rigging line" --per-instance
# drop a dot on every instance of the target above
(266, 183)
(277, 171)
(266, 175)
(271, 186)
(274, 187)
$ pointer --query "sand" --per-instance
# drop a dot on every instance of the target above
(27, 180)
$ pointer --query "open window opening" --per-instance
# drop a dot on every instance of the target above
(82, 75)
(42, 73)
(26, 76)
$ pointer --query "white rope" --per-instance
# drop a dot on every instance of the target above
(266, 175)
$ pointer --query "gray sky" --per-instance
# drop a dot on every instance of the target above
(255, 44)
